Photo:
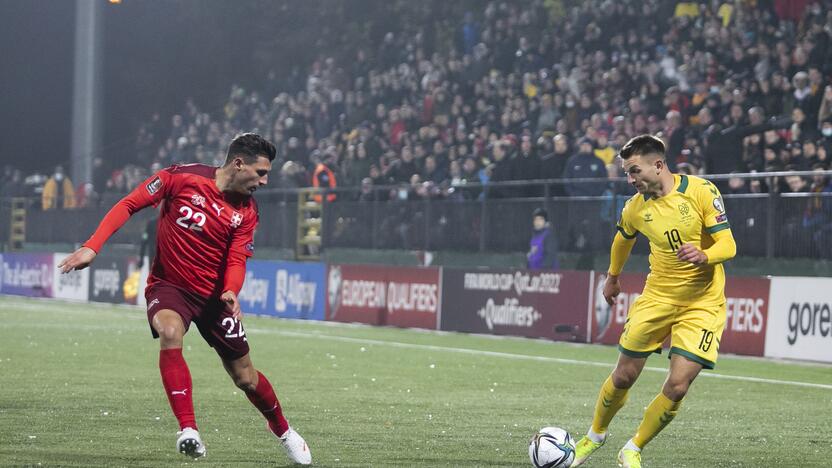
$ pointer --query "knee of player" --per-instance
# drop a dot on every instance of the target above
(245, 383)
(624, 378)
(170, 332)
(676, 389)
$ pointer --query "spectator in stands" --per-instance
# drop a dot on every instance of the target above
(674, 136)
(818, 215)
(585, 165)
(58, 191)
(616, 194)
(470, 175)
(367, 193)
(826, 133)
(12, 183)
(603, 149)
(432, 172)
(527, 166)
(147, 247)
(401, 170)
(86, 196)
(324, 176)
(409, 92)
(543, 248)
(7, 175)
(501, 170)
(726, 147)
(552, 165)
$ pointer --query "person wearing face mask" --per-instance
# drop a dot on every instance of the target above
(826, 129)
(58, 191)
(826, 134)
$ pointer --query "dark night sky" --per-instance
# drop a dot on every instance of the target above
(155, 54)
(36, 39)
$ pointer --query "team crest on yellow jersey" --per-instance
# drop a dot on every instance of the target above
(684, 210)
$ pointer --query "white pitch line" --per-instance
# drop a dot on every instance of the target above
(450, 349)
(526, 357)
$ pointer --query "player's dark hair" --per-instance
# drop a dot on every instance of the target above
(249, 146)
(642, 145)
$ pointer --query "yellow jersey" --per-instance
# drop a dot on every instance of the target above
(691, 212)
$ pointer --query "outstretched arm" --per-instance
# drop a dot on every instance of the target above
(147, 193)
(78, 260)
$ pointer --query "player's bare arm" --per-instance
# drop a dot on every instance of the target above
(619, 253)
(78, 260)
(612, 288)
(232, 303)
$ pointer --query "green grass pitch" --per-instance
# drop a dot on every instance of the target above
(79, 386)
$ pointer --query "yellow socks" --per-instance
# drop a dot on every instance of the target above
(610, 400)
(659, 413)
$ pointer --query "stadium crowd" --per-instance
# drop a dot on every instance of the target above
(517, 91)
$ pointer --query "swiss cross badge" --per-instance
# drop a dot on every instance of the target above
(236, 219)
(198, 200)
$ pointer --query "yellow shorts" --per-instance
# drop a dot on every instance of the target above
(694, 330)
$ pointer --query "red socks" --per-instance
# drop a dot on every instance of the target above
(177, 381)
(265, 400)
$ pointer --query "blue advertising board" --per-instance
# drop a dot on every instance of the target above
(27, 274)
(284, 289)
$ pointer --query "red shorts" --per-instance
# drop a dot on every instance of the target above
(211, 316)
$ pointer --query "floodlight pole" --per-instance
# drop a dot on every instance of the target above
(86, 122)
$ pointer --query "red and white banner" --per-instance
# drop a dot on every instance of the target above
(747, 316)
(745, 326)
(608, 321)
(382, 295)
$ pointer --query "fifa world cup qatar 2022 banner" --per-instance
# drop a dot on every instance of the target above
(746, 304)
(382, 295)
(540, 304)
(284, 289)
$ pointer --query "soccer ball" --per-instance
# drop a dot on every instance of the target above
(552, 447)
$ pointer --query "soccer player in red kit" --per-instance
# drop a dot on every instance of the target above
(205, 235)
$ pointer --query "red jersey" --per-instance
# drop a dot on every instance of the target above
(204, 236)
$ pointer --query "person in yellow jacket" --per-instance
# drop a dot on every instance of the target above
(58, 191)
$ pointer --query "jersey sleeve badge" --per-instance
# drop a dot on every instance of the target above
(154, 185)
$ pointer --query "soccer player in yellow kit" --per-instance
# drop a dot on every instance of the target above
(684, 297)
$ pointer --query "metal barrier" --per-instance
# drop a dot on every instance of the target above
(787, 225)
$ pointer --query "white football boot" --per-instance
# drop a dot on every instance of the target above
(189, 443)
(296, 447)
